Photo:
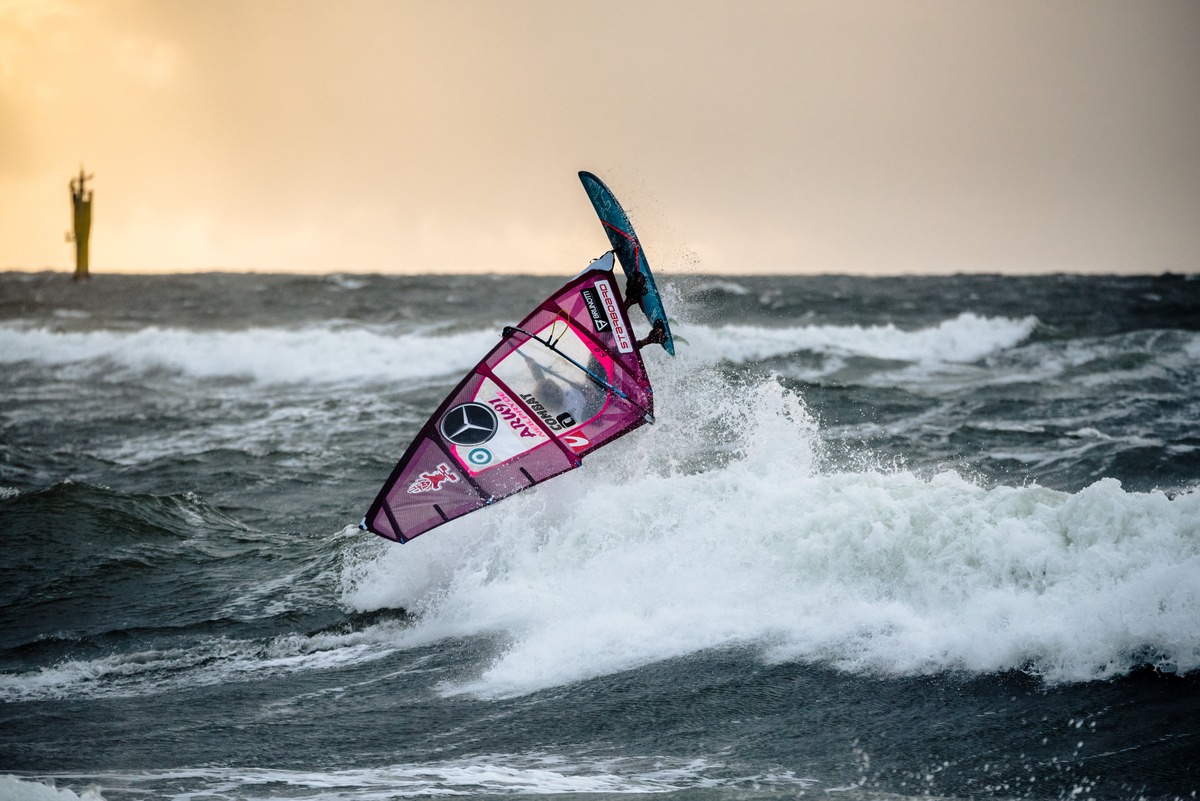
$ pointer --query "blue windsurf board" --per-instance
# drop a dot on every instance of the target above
(629, 252)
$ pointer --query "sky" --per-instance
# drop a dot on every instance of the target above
(862, 137)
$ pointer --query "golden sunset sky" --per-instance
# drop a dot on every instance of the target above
(899, 136)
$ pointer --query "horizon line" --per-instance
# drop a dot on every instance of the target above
(663, 271)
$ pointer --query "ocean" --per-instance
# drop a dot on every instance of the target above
(889, 538)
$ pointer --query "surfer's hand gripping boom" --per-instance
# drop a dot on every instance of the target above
(511, 329)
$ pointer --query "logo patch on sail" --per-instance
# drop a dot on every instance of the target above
(599, 318)
(469, 424)
(432, 482)
(608, 300)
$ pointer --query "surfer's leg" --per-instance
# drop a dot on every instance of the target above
(657, 335)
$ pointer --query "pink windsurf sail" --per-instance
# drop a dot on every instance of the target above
(565, 381)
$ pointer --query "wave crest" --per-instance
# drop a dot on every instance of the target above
(870, 571)
(335, 354)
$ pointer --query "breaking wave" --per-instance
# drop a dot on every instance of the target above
(335, 354)
(493, 775)
(269, 355)
(208, 663)
(965, 338)
(636, 559)
(14, 789)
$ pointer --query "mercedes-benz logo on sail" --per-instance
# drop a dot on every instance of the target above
(468, 424)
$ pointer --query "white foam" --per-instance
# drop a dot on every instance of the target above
(492, 775)
(206, 663)
(644, 555)
(341, 353)
(271, 355)
(966, 338)
(14, 789)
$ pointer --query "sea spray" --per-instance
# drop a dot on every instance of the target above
(630, 561)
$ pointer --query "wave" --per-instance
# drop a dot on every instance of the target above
(269, 355)
(965, 338)
(1084, 366)
(206, 663)
(491, 775)
(720, 286)
(337, 353)
(722, 526)
(637, 559)
(15, 789)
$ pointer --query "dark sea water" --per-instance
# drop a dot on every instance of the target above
(889, 538)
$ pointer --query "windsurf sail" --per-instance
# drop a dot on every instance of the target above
(566, 380)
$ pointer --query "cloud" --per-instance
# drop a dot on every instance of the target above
(154, 63)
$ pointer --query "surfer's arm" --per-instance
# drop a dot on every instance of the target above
(635, 290)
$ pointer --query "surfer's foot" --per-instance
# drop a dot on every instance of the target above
(657, 336)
